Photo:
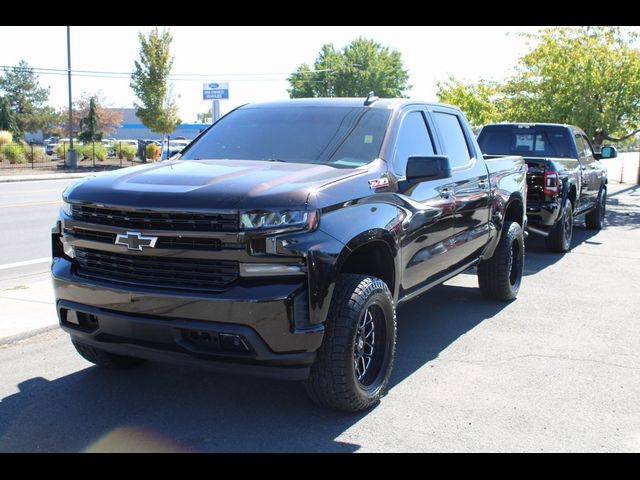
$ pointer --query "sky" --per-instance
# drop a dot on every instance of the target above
(254, 60)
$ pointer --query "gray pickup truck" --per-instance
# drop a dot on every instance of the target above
(565, 177)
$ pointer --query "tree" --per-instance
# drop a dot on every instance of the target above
(109, 119)
(7, 120)
(21, 87)
(480, 102)
(362, 66)
(89, 125)
(149, 82)
(584, 76)
(204, 117)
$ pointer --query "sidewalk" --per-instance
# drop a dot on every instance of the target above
(43, 176)
(28, 175)
(26, 308)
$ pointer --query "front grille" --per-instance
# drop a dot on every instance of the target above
(197, 222)
(184, 243)
(173, 273)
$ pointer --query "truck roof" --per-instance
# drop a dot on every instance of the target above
(384, 103)
(530, 124)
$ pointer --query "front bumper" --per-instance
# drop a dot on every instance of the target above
(269, 322)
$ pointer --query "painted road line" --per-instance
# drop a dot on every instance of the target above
(24, 263)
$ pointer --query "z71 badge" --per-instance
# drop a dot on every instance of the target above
(378, 183)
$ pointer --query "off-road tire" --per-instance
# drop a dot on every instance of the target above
(500, 276)
(559, 239)
(333, 381)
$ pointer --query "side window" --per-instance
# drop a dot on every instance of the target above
(452, 138)
(581, 146)
(588, 151)
(413, 141)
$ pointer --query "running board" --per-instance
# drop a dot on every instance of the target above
(537, 231)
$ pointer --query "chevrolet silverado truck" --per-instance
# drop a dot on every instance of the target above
(282, 239)
(565, 177)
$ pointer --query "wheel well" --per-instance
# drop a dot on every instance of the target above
(514, 212)
(375, 259)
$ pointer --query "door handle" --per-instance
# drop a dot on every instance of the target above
(583, 168)
(445, 193)
(483, 184)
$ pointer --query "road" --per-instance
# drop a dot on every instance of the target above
(556, 370)
(27, 212)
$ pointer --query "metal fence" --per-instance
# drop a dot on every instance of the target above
(22, 156)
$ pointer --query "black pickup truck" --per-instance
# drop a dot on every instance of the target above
(565, 178)
(281, 240)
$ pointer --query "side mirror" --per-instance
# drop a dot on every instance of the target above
(433, 167)
(608, 152)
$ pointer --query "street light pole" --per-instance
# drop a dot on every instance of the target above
(72, 158)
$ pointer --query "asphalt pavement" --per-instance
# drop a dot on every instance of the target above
(556, 370)
(28, 210)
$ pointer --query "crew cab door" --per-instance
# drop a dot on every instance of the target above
(591, 172)
(471, 186)
(427, 234)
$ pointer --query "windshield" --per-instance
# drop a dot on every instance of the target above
(339, 136)
(528, 141)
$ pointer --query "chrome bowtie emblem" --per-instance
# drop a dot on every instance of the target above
(135, 241)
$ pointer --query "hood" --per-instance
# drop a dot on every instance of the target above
(209, 184)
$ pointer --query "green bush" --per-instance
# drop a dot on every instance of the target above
(97, 149)
(153, 152)
(126, 151)
(37, 155)
(13, 152)
(61, 149)
(5, 137)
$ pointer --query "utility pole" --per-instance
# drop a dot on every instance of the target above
(72, 156)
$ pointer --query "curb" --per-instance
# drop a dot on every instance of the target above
(27, 334)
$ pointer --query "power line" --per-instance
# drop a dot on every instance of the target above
(174, 77)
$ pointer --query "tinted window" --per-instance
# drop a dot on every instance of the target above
(341, 136)
(413, 140)
(452, 138)
(529, 141)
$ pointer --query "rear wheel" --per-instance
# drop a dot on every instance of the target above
(354, 363)
(594, 220)
(105, 359)
(559, 239)
(500, 276)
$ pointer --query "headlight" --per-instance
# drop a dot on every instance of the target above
(66, 208)
(283, 219)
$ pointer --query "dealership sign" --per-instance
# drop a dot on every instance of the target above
(215, 91)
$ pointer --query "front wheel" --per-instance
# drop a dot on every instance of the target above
(500, 276)
(354, 362)
(594, 220)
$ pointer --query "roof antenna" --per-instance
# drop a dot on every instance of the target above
(371, 98)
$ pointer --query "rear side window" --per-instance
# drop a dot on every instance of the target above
(413, 140)
(452, 138)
